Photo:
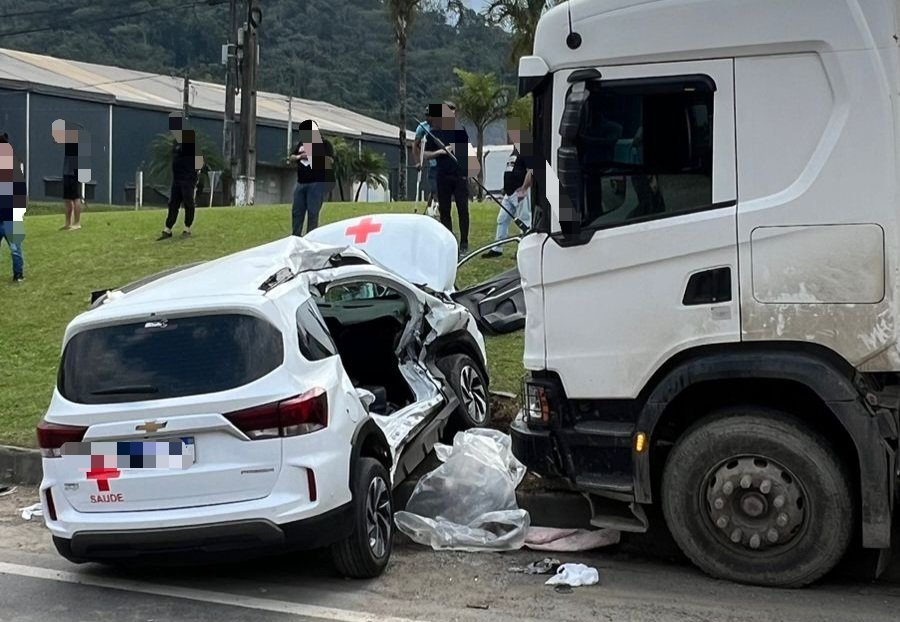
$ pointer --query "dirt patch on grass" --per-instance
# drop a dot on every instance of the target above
(504, 409)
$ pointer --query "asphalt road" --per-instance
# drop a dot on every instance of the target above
(37, 585)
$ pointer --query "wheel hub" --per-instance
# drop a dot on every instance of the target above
(474, 394)
(755, 503)
(378, 517)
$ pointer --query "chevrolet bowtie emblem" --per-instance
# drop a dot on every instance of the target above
(150, 427)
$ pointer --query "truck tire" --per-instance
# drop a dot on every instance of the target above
(471, 387)
(752, 495)
(364, 554)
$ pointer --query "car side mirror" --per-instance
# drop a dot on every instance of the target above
(366, 397)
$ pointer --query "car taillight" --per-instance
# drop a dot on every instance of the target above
(52, 436)
(291, 417)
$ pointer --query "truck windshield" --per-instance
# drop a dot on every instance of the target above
(645, 151)
(168, 358)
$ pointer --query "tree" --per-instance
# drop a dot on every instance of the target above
(369, 168)
(522, 17)
(344, 156)
(159, 165)
(402, 13)
(522, 109)
(482, 100)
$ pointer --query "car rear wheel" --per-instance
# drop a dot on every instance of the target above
(754, 496)
(471, 387)
(365, 552)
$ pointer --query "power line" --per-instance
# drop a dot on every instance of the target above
(104, 19)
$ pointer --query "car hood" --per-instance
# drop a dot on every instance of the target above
(417, 248)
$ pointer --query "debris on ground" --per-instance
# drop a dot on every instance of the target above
(574, 575)
(7, 490)
(31, 511)
(570, 540)
(469, 502)
(544, 566)
(563, 589)
(483, 606)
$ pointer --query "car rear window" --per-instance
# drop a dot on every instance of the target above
(168, 358)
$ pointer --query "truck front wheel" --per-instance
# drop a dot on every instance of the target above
(752, 495)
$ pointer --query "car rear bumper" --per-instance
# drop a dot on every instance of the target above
(205, 542)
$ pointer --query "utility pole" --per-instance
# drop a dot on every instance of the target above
(290, 127)
(186, 97)
(229, 58)
(249, 62)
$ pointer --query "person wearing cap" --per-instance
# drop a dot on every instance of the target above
(186, 162)
(418, 147)
(315, 174)
(448, 145)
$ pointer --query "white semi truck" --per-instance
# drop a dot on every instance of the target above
(711, 282)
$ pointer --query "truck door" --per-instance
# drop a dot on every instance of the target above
(641, 262)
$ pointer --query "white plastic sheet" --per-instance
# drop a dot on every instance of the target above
(570, 540)
(469, 502)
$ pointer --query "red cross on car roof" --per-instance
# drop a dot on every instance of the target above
(363, 230)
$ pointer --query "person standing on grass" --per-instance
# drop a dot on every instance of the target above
(75, 169)
(454, 168)
(516, 184)
(12, 205)
(418, 148)
(186, 161)
(314, 157)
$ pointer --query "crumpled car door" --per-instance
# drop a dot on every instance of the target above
(497, 303)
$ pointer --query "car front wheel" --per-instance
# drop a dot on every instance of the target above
(471, 387)
(365, 552)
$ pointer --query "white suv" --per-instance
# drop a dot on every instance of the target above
(265, 399)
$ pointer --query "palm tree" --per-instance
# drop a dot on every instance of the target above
(482, 100)
(402, 13)
(369, 168)
(522, 109)
(522, 17)
(344, 156)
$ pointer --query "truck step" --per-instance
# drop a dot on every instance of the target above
(624, 516)
(609, 429)
(620, 483)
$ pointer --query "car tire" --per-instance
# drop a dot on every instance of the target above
(364, 554)
(468, 381)
(788, 532)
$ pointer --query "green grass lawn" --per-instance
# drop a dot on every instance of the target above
(117, 246)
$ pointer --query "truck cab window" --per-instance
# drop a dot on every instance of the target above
(644, 150)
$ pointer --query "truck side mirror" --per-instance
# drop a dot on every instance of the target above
(569, 171)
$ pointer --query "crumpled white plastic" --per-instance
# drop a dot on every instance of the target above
(31, 511)
(469, 502)
(574, 575)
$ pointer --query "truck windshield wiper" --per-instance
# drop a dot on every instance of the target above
(127, 389)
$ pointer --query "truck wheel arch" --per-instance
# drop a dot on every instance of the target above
(772, 373)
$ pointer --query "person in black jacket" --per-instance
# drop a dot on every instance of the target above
(186, 161)
(315, 175)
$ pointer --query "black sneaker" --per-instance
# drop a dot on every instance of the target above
(492, 254)
(18, 278)
(463, 249)
(185, 234)
(165, 235)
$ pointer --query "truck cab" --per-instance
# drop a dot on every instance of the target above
(711, 281)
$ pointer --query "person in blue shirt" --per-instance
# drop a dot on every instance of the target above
(418, 146)
(12, 205)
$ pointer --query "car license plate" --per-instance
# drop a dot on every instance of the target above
(174, 453)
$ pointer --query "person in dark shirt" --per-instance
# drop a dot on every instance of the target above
(12, 205)
(314, 157)
(516, 184)
(186, 161)
(454, 168)
(75, 169)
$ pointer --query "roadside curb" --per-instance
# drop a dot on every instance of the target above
(20, 466)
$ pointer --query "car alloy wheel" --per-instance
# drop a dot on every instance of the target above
(474, 394)
(378, 517)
